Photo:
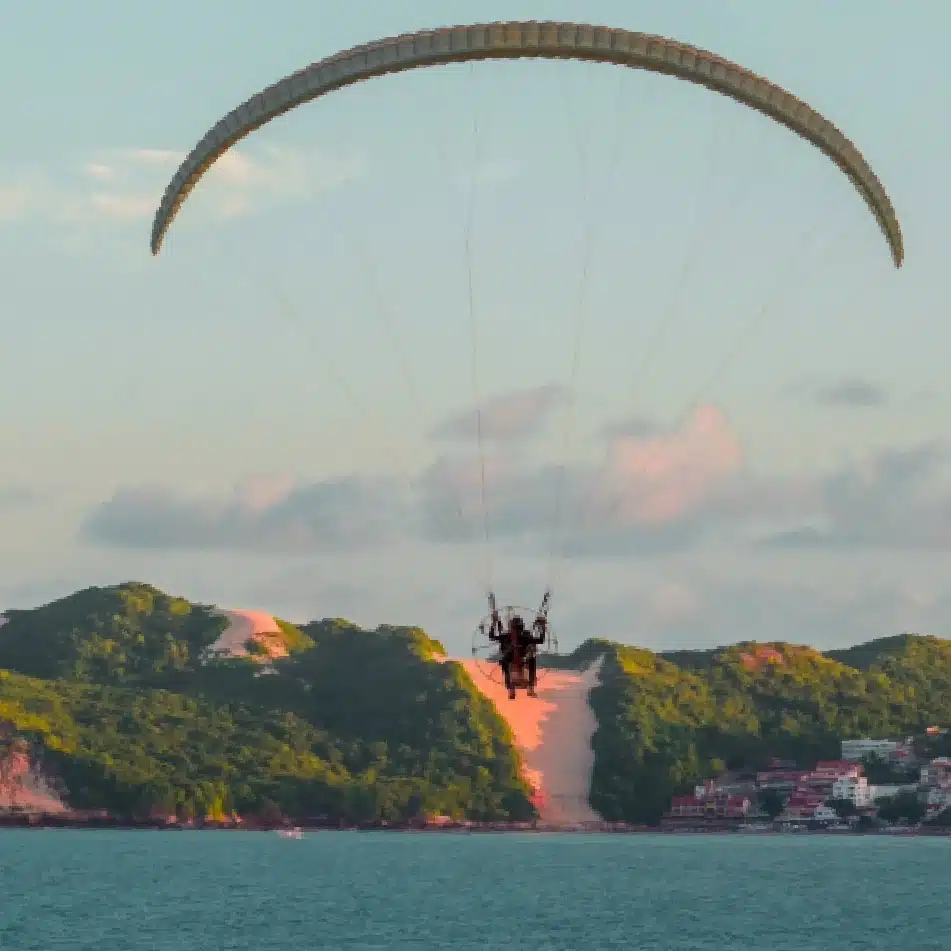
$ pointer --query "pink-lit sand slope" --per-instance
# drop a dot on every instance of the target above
(24, 789)
(553, 733)
(244, 627)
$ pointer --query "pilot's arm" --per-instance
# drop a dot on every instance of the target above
(539, 627)
(495, 628)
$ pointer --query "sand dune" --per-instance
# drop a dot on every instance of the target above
(553, 733)
(245, 626)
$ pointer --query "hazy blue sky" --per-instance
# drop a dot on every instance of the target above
(277, 411)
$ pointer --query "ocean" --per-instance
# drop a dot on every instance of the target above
(230, 891)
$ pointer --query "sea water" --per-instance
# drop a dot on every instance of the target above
(204, 891)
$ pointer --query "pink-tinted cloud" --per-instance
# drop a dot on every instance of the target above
(264, 491)
(662, 478)
(658, 492)
(518, 414)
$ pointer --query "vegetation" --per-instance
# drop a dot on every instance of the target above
(111, 688)
(667, 721)
(115, 690)
(902, 807)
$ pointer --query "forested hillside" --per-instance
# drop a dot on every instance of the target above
(116, 692)
(666, 721)
(111, 688)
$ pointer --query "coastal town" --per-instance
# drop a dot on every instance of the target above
(834, 794)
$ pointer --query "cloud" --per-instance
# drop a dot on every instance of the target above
(657, 491)
(17, 197)
(668, 492)
(516, 415)
(653, 493)
(858, 393)
(850, 392)
(16, 496)
(263, 515)
(637, 427)
(662, 478)
(892, 500)
(126, 185)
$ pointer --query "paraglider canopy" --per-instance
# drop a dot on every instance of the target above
(540, 40)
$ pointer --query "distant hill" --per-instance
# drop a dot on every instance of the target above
(126, 698)
(129, 633)
(668, 720)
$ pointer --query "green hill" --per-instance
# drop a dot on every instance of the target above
(667, 721)
(115, 691)
(110, 686)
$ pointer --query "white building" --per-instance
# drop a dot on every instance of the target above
(855, 789)
(859, 749)
(939, 798)
(825, 813)
(936, 773)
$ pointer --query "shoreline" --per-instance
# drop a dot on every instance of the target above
(99, 823)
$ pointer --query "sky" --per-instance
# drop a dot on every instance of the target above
(711, 409)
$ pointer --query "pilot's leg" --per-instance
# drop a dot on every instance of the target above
(506, 664)
(532, 663)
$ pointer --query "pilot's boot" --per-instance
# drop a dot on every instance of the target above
(511, 693)
(531, 691)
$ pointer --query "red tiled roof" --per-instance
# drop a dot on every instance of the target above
(685, 801)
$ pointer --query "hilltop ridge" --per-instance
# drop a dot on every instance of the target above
(136, 700)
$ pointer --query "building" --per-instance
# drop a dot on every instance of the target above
(821, 781)
(718, 805)
(806, 807)
(858, 749)
(781, 780)
(706, 789)
(836, 769)
(936, 773)
(939, 799)
(853, 789)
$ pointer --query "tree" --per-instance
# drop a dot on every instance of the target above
(843, 807)
(942, 819)
(904, 805)
(157, 799)
(269, 813)
(880, 772)
(771, 802)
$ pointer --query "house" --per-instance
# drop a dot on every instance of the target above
(939, 798)
(717, 806)
(936, 773)
(805, 806)
(837, 768)
(782, 780)
(854, 789)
